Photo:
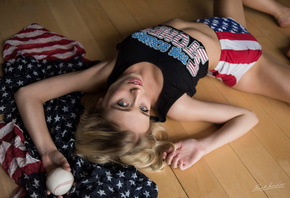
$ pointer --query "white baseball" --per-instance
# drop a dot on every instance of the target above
(59, 181)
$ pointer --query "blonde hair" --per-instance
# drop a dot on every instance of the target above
(99, 141)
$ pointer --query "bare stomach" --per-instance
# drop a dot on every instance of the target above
(204, 34)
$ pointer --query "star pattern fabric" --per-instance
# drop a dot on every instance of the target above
(223, 24)
(62, 114)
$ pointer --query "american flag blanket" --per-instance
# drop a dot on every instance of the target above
(34, 54)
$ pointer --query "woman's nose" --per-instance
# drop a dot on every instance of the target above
(136, 93)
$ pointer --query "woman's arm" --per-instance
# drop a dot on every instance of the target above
(30, 99)
(237, 121)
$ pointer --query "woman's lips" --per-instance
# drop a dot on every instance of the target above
(136, 81)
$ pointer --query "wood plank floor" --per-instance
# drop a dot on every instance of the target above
(256, 165)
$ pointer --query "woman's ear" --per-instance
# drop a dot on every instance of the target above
(99, 103)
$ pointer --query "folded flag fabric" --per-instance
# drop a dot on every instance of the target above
(31, 55)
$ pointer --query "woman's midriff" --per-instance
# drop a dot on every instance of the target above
(204, 34)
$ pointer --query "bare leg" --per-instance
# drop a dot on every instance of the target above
(279, 12)
(268, 77)
(230, 8)
(288, 53)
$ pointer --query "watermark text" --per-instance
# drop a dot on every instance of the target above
(269, 187)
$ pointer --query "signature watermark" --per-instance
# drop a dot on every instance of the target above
(269, 187)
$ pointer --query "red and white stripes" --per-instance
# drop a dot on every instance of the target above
(14, 157)
(239, 53)
(40, 43)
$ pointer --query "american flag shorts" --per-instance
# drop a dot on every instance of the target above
(239, 49)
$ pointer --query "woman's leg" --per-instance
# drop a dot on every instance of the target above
(268, 77)
(288, 53)
(230, 8)
(279, 12)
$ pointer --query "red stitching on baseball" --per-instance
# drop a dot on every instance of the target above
(62, 184)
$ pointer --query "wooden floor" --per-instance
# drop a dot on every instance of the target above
(256, 165)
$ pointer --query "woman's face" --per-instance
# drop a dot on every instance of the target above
(127, 103)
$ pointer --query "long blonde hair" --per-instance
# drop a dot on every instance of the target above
(99, 141)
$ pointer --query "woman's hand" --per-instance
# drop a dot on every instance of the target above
(187, 153)
(52, 160)
(236, 122)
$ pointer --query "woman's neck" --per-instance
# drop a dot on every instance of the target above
(152, 79)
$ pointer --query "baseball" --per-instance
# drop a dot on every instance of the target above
(59, 181)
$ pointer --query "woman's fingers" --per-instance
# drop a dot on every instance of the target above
(164, 155)
(181, 165)
(66, 166)
(169, 157)
(175, 161)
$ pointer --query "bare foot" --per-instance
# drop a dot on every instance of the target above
(284, 18)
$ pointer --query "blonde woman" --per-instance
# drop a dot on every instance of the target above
(158, 68)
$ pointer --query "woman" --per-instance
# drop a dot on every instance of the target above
(139, 80)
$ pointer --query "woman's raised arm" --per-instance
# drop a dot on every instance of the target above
(30, 99)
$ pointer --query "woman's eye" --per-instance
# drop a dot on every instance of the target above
(144, 109)
(122, 104)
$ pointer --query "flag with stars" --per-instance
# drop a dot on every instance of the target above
(34, 54)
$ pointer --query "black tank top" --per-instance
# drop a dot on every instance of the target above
(181, 59)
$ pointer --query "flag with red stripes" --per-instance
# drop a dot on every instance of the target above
(35, 54)
(40, 43)
(43, 45)
(14, 157)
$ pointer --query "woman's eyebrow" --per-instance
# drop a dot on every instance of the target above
(128, 109)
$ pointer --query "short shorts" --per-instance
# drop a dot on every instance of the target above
(240, 49)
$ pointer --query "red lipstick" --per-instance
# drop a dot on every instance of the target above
(136, 81)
